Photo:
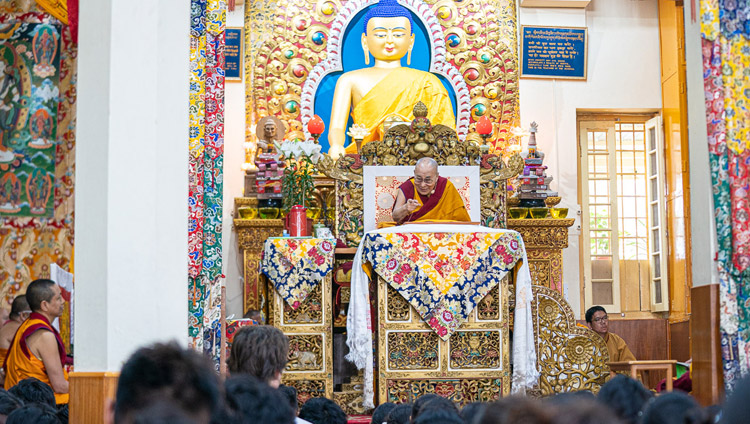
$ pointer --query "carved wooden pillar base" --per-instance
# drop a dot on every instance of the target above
(544, 239)
(251, 234)
(89, 393)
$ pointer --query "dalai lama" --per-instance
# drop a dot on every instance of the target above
(428, 197)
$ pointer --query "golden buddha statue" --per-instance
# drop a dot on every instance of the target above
(375, 93)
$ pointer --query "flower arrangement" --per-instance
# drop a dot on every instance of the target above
(297, 185)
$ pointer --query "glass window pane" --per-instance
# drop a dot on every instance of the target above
(655, 235)
(652, 169)
(602, 188)
(638, 127)
(657, 265)
(657, 290)
(654, 189)
(600, 140)
(601, 293)
(601, 268)
(626, 127)
(640, 162)
(652, 138)
(590, 137)
(655, 214)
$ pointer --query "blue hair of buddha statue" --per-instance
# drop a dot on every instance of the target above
(388, 9)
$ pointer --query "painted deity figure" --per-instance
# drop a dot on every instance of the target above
(375, 93)
(9, 109)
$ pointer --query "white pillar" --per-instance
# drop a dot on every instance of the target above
(131, 179)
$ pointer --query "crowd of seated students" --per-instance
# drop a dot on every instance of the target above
(167, 383)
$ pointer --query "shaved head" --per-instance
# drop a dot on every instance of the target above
(427, 164)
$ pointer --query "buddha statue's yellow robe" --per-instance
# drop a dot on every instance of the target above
(397, 93)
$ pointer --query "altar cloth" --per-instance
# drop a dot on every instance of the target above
(296, 266)
(359, 328)
(443, 275)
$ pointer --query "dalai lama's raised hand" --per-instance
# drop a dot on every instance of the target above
(412, 205)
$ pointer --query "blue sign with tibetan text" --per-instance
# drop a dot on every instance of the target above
(553, 52)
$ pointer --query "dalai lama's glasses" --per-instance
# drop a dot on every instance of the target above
(604, 319)
(420, 180)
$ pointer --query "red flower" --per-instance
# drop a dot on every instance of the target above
(434, 322)
(447, 316)
(398, 278)
(295, 305)
(391, 264)
(320, 260)
(514, 244)
(442, 331)
(405, 268)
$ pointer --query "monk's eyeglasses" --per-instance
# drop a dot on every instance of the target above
(604, 318)
(420, 180)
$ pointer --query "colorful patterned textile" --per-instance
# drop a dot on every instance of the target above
(443, 275)
(28, 245)
(725, 27)
(359, 319)
(206, 161)
(296, 266)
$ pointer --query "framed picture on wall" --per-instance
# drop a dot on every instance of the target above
(233, 54)
(554, 52)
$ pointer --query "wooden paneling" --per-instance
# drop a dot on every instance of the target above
(89, 393)
(708, 381)
(679, 340)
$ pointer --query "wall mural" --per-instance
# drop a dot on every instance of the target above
(41, 233)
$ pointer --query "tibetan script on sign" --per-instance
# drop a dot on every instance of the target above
(553, 52)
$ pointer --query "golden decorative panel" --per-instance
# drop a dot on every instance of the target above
(544, 239)
(351, 403)
(475, 349)
(307, 389)
(412, 350)
(251, 234)
(569, 357)
(413, 361)
(489, 307)
(309, 312)
(398, 308)
(305, 353)
(461, 391)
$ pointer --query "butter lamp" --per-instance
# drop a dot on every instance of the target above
(484, 128)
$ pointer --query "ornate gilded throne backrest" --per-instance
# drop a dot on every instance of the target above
(569, 357)
(404, 145)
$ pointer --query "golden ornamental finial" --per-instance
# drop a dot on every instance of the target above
(420, 110)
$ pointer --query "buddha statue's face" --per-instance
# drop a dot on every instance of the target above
(269, 130)
(388, 39)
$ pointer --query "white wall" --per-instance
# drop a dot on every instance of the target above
(623, 73)
(131, 179)
(234, 156)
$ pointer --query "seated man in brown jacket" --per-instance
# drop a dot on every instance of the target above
(597, 320)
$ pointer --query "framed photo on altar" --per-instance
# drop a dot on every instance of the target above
(233, 54)
(554, 52)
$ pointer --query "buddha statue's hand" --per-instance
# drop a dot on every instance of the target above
(335, 151)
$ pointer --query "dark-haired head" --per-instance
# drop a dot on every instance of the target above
(8, 403)
(162, 412)
(39, 291)
(438, 416)
(582, 410)
(261, 351)
(249, 400)
(432, 403)
(517, 409)
(472, 411)
(625, 396)
(674, 408)
(33, 413)
(290, 394)
(737, 408)
(33, 390)
(381, 412)
(322, 411)
(167, 373)
(592, 310)
(19, 309)
(400, 414)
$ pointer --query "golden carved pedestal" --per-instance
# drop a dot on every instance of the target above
(544, 239)
(251, 234)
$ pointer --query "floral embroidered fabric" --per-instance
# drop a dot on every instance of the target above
(296, 266)
(443, 275)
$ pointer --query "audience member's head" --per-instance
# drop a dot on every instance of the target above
(167, 373)
(437, 416)
(434, 401)
(737, 408)
(63, 413)
(626, 397)
(591, 311)
(32, 390)
(381, 412)
(517, 410)
(38, 291)
(249, 400)
(254, 315)
(162, 412)
(582, 410)
(569, 397)
(261, 351)
(674, 408)
(322, 411)
(33, 413)
(19, 309)
(400, 414)
(472, 411)
(8, 404)
(290, 394)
